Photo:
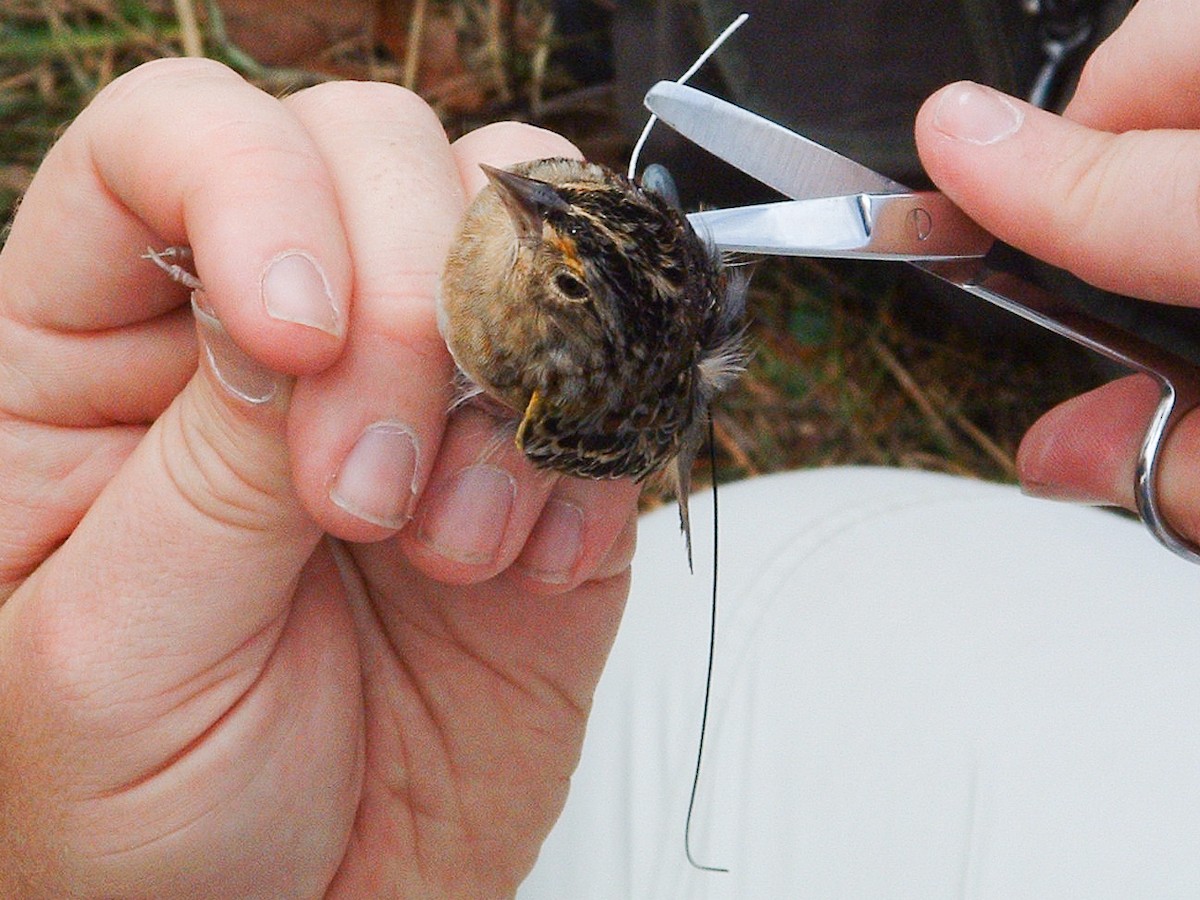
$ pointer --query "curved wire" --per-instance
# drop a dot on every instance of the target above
(700, 60)
(712, 647)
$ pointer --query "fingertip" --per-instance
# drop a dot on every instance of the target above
(203, 158)
(235, 375)
(471, 521)
(284, 297)
(1084, 449)
(376, 485)
(968, 138)
(294, 288)
(487, 511)
(505, 144)
(555, 544)
(586, 532)
(619, 556)
(364, 441)
(971, 113)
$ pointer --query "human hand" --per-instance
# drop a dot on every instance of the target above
(1109, 192)
(198, 694)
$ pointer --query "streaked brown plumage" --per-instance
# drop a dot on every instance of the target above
(586, 304)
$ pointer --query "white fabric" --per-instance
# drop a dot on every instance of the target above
(925, 687)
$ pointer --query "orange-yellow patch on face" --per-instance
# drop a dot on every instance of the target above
(567, 250)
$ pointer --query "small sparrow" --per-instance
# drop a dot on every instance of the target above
(585, 305)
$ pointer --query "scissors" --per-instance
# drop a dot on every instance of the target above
(840, 208)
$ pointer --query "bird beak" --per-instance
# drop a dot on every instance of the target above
(526, 200)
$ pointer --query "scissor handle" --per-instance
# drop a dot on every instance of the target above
(1178, 379)
(1176, 400)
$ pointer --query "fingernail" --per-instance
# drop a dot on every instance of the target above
(377, 480)
(233, 369)
(294, 289)
(977, 115)
(620, 554)
(554, 544)
(468, 515)
(1062, 493)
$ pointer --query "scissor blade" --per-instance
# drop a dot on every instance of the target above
(779, 158)
(909, 226)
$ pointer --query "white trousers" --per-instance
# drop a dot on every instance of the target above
(925, 687)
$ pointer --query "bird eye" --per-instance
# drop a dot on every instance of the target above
(570, 286)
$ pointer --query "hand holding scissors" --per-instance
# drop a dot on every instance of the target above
(840, 208)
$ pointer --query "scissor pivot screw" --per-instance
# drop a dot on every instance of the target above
(922, 223)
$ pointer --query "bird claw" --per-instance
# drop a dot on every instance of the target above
(175, 272)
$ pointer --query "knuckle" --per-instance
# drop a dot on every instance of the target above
(1114, 222)
(529, 141)
(222, 481)
(1079, 182)
(402, 319)
(161, 72)
(1096, 72)
(363, 100)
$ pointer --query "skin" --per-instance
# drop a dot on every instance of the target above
(195, 699)
(1109, 191)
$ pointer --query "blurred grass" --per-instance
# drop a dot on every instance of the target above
(853, 364)
(868, 364)
(53, 58)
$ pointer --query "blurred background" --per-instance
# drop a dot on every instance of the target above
(853, 363)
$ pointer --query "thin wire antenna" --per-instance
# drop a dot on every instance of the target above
(712, 457)
(692, 70)
(712, 647)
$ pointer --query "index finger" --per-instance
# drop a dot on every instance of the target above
(367, 431)
(187, 152)
(1146, 74)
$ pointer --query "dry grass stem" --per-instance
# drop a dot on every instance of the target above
(539, 61)
(499, 47)
(189, 28)
(412, 56)
(67, 51)
(730, 439)
(1004, 460)
(908, 384)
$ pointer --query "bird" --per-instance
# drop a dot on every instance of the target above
(581, 304)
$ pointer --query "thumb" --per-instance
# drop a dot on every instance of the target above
(1118, 210)
(174, 594)
(181, 675)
